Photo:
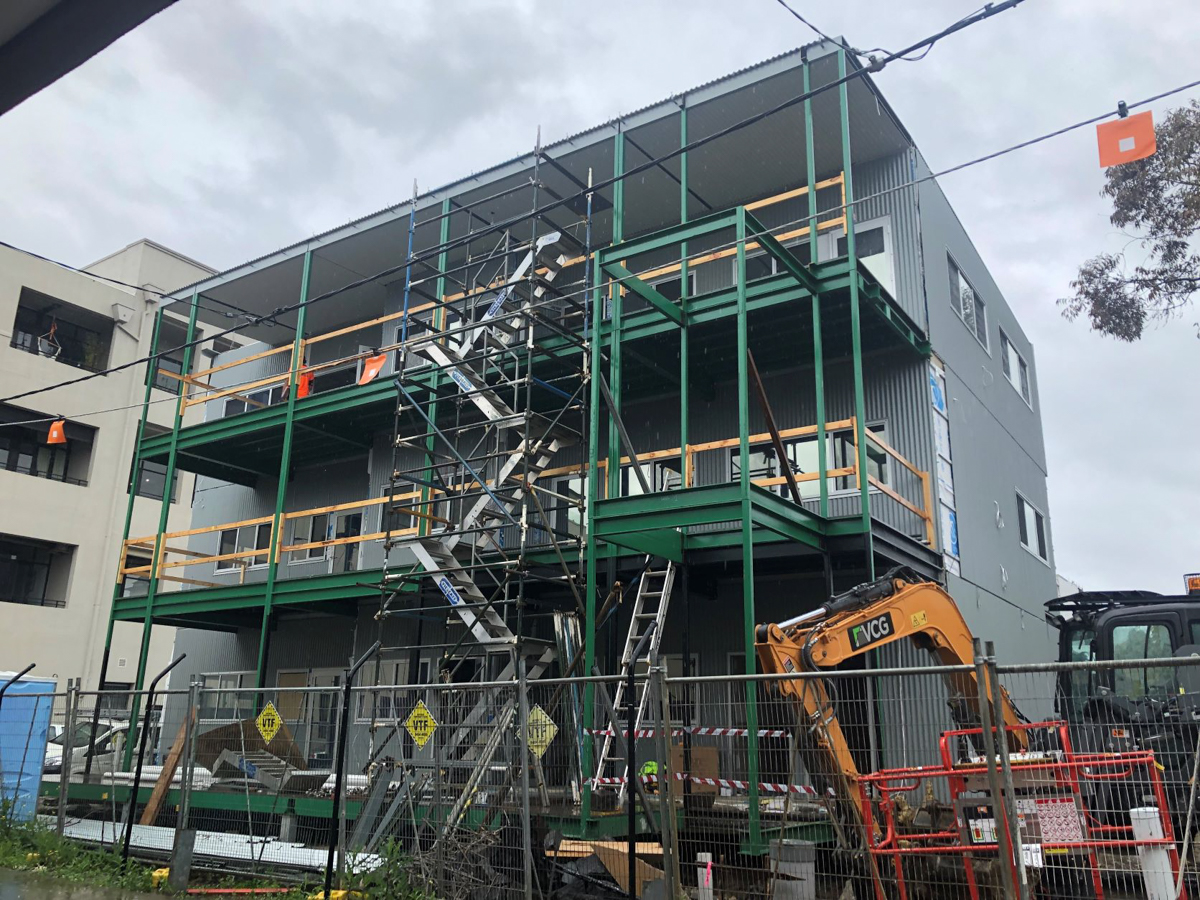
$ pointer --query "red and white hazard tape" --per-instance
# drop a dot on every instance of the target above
(704, 730)
(770, 787)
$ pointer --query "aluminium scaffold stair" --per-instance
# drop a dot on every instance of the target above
(497, 506)
(650, 605)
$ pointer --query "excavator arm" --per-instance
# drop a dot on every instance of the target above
(869, 617)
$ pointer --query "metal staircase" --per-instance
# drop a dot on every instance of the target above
(526, 443)
(649, 605)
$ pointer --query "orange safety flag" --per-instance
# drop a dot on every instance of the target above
(304, 385)
(371, 367)
(58, 432)
(1127, 139)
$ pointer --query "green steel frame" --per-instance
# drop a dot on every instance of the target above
(659, 524)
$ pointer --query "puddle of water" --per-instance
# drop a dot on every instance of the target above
(24, 886)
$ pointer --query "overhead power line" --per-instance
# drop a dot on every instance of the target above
(985, 13)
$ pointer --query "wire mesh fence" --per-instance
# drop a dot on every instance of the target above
(1063, 780)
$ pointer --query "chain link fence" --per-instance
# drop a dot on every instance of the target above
(1063, 780)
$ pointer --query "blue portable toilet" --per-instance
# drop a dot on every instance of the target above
(24, 723)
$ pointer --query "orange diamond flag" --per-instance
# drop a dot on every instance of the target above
(371, 367)
(58, 432)
(1124, 140)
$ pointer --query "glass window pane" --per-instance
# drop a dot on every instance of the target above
(1021, 521)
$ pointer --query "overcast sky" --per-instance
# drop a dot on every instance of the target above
(228, 129)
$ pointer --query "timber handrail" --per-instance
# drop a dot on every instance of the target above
(207, 393)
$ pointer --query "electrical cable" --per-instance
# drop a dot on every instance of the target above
(984, 14)
(824, 212)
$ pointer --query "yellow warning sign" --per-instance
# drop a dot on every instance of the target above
(269, 722)
(540, 731)
(421, 724)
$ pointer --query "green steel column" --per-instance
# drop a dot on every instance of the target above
(285, 464)
(590, 495)
(425, 525)
(134, 479)
(683, 299)
(814, 257)
(163, 514)
(618, 303)
(743, 387)
(860, 424)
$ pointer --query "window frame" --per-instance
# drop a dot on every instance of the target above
(229, 566)
(294, 556)
(832, 461)
(953, 268)
(1045, 532)
(219, 690)
(1006, 347)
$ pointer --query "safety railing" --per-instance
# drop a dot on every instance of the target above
(249, 541)
(453, 787)
(444, 317)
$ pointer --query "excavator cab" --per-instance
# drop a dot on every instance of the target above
(1124, 626)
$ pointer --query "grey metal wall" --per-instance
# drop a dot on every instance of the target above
(997, 445)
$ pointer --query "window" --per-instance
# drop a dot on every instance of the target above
(1033, 529)
(308, 530)
(153, 479)
(1147, 640)
(171, 335)
(34, 572)
(1015, 369)
(247, 537)
(23, 448)
(568, 518)
(669, 285)
(46, 326)
(803, 458)
(395, 703)
(226, 696)
(109, 703)
(259, 399)
(968, 304)
(138, 583)
(760, 263)
(661, 475)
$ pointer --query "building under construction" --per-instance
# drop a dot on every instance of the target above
(691, 370)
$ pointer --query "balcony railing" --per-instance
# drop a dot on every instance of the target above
(889, 474)
(447, 318)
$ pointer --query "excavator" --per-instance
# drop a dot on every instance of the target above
(868, 617)
(903, 605)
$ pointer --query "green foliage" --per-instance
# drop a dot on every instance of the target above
(1157, 200)
(32, 848)
(395, 879)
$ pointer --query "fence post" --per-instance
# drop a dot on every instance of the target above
(335, 817)
(1000, 821)
(64, 780)
(666, 783)
(1010, 804)
(185, 836)
(523, 728)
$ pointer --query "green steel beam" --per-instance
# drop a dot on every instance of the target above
(684, 299)
(748, 623)
(163, 514)
(810, 172)
(135, 478)
(667, 237)
(617, 307)
(645, 291)
(860, 414)
(794, 267)
(285, 464)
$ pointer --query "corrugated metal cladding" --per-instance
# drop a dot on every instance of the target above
(900, 207)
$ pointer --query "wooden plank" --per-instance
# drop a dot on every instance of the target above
(911, 507)
(286, 348)
(776, 438)
(895, 454)
(159, 794)
(615, 857)
(930, 535)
